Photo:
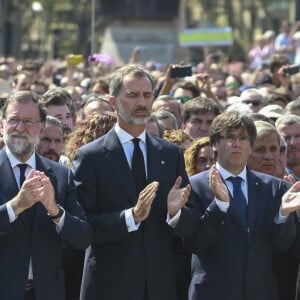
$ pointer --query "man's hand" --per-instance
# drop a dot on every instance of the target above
(142, 209)
(291, 200)
(28, 195)
(47, 195)
(217, 185)
(178, 197)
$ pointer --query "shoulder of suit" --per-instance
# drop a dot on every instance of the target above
(163, 143)
(266, 178)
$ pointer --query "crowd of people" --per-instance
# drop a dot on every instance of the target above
(124, 182)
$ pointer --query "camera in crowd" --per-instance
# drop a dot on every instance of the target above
(181, 71)
(291, 70)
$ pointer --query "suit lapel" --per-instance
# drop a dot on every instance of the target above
(156, 159)
(116, 159)
(8, 184)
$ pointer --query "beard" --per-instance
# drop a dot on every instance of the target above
(20, 144)
(52, 155)
(130, 119)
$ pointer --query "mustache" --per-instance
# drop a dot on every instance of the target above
(51, 152)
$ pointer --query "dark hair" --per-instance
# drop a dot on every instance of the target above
(187, 85)
(135, 70)
(199, 105)
(230, 120)
(24, 97)
(58, 96)
(277, 61)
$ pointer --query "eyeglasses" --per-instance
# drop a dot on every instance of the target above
(253, 102)
(183, 99)
(231, 138)
(28, 123)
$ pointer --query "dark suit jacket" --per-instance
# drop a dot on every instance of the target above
(235, 263)
(119, 263)
(42, 243)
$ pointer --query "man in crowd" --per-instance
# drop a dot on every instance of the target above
(59, 104)
(38, 208)
(51, 139)
(198, 115)
(127, 182)
(245, 215)
(289, 127)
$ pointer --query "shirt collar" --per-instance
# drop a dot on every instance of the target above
(31, 162)
(125, 137)
(226, 174)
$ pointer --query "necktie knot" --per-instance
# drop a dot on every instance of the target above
(136, 142)
(236, 181)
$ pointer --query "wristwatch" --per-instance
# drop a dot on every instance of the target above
(58, 215)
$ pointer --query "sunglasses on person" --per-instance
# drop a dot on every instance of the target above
(253, 102)
(183, 99)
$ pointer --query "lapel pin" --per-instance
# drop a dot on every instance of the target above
(162, 162)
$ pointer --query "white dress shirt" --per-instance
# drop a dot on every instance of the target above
(128, 147)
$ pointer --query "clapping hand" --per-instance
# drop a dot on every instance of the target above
(217, 185)
(291, 200)
(142, 208)
(178, 197)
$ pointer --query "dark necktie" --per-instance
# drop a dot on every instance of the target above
(22, 168)
(138, 166)
(239, 200)
(30, 212)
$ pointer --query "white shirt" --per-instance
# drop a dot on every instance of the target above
(128, 147)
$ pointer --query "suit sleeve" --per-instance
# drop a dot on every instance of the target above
(5, 225)
(284, 234)
(76, 232)
(109, 226)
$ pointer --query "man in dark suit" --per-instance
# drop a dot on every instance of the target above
(242, 224)
(131, 255)
(38, 208)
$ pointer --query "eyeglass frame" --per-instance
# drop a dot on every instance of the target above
(27, 122)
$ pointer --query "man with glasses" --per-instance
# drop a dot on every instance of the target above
(38, 208)
(244, 217)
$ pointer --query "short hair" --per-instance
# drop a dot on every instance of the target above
(265, 128)
(287, 119)
(199, 105)
(191, 153)
(164, 114)
(260, 117)
(135, 70)
(56, 96)
(161, 126)
(187, 85)
(293, 105)
(50, 120)
(24, 97)
(252, 91)
(277, 61)
(230, 120)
